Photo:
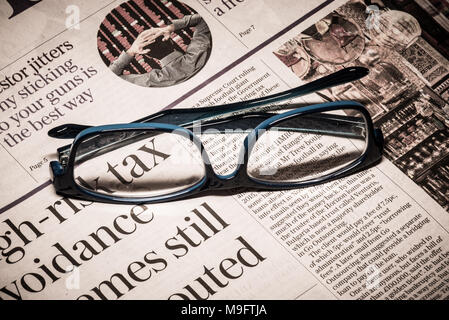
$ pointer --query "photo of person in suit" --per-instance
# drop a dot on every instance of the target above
(154, 44)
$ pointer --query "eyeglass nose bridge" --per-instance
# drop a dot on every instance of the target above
(230, 180)
(239, 176)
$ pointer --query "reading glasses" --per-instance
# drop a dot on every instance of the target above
(163, 157)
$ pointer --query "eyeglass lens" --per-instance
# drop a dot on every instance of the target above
(138, 163)
(306, 147)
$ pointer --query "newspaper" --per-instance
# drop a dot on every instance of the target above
(378, 234)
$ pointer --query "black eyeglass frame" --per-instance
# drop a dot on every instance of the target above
(63, 171)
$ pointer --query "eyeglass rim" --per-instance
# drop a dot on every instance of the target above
(67, 185)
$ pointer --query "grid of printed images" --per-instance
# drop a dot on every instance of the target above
(407, 90)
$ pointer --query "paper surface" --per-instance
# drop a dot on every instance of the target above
(378, 234)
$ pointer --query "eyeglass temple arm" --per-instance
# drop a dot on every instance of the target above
(324, 124)
(184, 117)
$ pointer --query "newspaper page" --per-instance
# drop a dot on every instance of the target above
(379, 234)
